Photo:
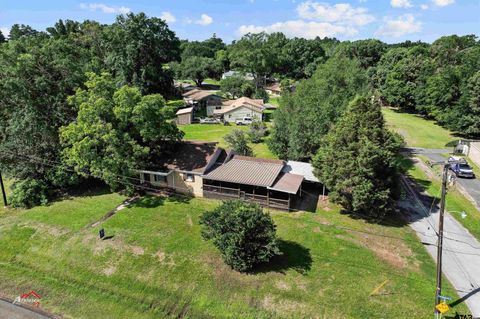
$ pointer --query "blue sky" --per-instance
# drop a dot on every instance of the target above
(388, 20)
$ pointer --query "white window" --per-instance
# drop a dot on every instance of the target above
(189, 177)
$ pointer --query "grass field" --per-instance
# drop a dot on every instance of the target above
(157, 265)
(216, 132)
(417, 131)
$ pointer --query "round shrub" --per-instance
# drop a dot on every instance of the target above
(243, 232)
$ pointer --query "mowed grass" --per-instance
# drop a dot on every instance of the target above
(157, 265)
(417, 131)
(216, 132)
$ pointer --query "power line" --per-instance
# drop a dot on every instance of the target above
(40, 161)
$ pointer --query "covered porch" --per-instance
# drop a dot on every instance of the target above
(256, 194)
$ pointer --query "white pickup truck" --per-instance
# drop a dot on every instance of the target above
(244, 121)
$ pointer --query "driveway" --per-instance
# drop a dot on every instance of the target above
(461, 254)
(11, 311)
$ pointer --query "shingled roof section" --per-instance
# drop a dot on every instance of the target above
(187, 156)
(248, 171)
(197, 95)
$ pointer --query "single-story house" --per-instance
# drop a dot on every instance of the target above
(232, 110)
(184, 116)
(274, 89)
(181, 168)
(202, 169)
(203, 100)
(246, 76)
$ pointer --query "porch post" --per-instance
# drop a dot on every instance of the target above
(253, 192)
(268, 197)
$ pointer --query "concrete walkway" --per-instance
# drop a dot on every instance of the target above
(11, 311)
(461, 255)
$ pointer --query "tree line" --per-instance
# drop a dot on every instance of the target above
(90, 97)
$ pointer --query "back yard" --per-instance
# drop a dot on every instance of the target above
(216, 132)
(157, 265)
(417, 131)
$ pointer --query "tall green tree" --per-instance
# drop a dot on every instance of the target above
(307, 114)
(36, 76)
(116, 130)
(358, 160)
(197, 69)
(238, 142)
(138, 49)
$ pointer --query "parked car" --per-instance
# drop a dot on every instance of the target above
(209, 120)
(244, 121)
(460, 167)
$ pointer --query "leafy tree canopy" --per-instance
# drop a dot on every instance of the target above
(138, 47)
(116, 130)
(306, 115)
(237, 141)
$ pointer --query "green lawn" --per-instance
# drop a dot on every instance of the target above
(157, 265)
(417, 131)
(216, 132)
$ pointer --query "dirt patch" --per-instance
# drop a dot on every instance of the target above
(137, 250)
(48, 229)
(391, 250)
(189, 221)
(283, 307)
(110, 270)
(322, 220)
(282, 285)
(317, 230)
(164, 259)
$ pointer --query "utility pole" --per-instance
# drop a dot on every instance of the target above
(438, 292)
(3, 190)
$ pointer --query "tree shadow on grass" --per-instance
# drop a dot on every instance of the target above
(292, 256)
(156, 201)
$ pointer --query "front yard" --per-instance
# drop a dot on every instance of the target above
(156, 265)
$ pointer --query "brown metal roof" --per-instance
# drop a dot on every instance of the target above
(248, 171)
(287, 183)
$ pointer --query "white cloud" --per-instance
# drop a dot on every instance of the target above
(104, 8)
(405, 24)
(443, 3)
(401, 3)
(341, 13)
(204, 20)
(168, 17)
(300, 28)
(424, 6)
(5, 31)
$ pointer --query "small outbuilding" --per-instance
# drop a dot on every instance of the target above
(184, 116)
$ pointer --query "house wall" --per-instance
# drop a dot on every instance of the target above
(474, 152)
(177, 181)
(240, 113)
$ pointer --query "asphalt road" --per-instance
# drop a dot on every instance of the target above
(471, 186)
(461, 254)
(11, 311)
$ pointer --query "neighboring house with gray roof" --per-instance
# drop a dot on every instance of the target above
(240, 108)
